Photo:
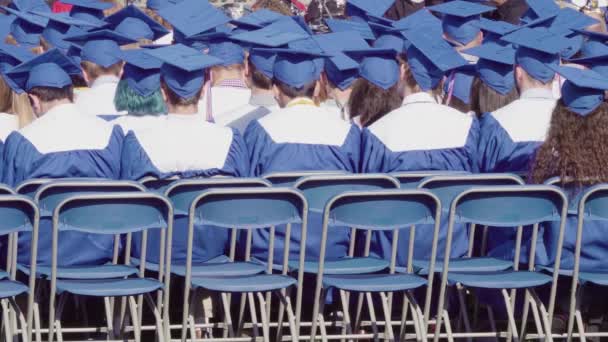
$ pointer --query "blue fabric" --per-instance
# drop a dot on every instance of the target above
(266, 156)
(499, 153)
(209, 242)
(378, 158)
(344, 266)
(109, 287)
(374, 282)
(9, 288)
(254, 283)
(463, 81)
(501, 280)
(22, 162)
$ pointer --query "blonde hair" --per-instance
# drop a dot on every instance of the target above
(13, 103)
(94, 71)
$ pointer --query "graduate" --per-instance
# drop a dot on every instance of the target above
(297, 137)
(61, 143)
(574, 151)
(507, 145)
(26, 29)
(133, 23)
(422, 134)
(460, 28)
(60, 27)
(182, 144)
(89, 10)
(101, 67)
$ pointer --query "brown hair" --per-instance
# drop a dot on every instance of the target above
(274, 5)
(487, 100)
(258, 79)
(37, 50)
(158, 18)
(49, 94)
(176, 100)
(575, 147)
(94, 71)
(370, 102)
(12, 103)
(307, 90)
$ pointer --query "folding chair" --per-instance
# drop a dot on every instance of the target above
(380, 210)
(410, 179)
(246, 209)
(286, 179)
(157, 185)
(29, 187)
(506, 206)
(19, 214)
(181, 193)
(6, 190)
(593, 206)
(120, 213)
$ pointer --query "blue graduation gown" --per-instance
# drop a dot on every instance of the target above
(185, 146)
(508, 142)
(421, 135)
(297, 138)
(64, 143)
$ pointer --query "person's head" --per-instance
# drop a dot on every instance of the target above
(129, 100)
(285, 93)
(92, 71)
(575, 146)
(278, 6)
(369, 102)
(44, 99)
(460, 22)
(232, 56)
(484, 99)
(257, 79)
(17, 104)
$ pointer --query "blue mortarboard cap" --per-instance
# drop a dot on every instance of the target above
(593, 47)
(155, 5)
(495, 66)
(276, 34)
(573, 46)
(378, 66)
(182, 68)
(192, 17)
(101, 47)
(30, 5)
(73, 53)
(10, 56)
(390, 41)
(295, 67)
(583, 90)
(6, 21)
(25, 33)
(51, 69)
(568, 19)
(540, 9)
(363, 8)
(141, 71)
(88, 10)
(263, 60)
(460, 18)
(228, 52)
(537, 50)
(134, 23)
(429, 57)
(312, 47)
(61, 26)
(494, 29)
(341, 25)
(418, 19)
(594, 55)
(28, 17)
(462, 81)
(258, 19)
(340, 69)
(300, 21)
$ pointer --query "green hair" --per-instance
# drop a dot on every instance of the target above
(126, 99)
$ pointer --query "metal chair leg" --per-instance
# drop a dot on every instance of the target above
(228, 317)
(463, 309)
(388, 329)
(264, 316)
(6, 324)
(254, 315)
(134, 317)
(404, 311)
(372, 315)
(284, 298)
(158, 318)
(512, 325)
(346, 329)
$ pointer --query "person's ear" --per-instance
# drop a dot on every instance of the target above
(35, 103)
(164, 94)
(86, 77)
(246, 69)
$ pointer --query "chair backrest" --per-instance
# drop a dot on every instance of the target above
(289, 178)
(50, 194)
(447, 187)
(593, 205)
(319, 189)
(112, 213)
(183, 192)
(29, 187)
(6, 190)
(18, 213)
(410, 179)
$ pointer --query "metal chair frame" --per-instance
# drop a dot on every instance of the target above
(283, 295)
(542, 320)
(10, 309)
(419, 315)
(135, 307)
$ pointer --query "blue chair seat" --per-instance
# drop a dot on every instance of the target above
(151, 266)
(250, 283)
(465, 265)
(227, 269)
(3, 275)
(345, 266)
(109, 287)
(108, 271)
(597, 277)
(501, 280)
(373, 282)
(10, 288)
(567, 272)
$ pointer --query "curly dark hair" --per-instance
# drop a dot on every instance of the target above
(370, 102)
(575, 149)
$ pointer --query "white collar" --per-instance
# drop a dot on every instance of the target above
(62, 109)
(538, 93)
(105, 79)
(420, 97)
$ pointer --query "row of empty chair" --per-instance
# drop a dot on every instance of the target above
(283, 296)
